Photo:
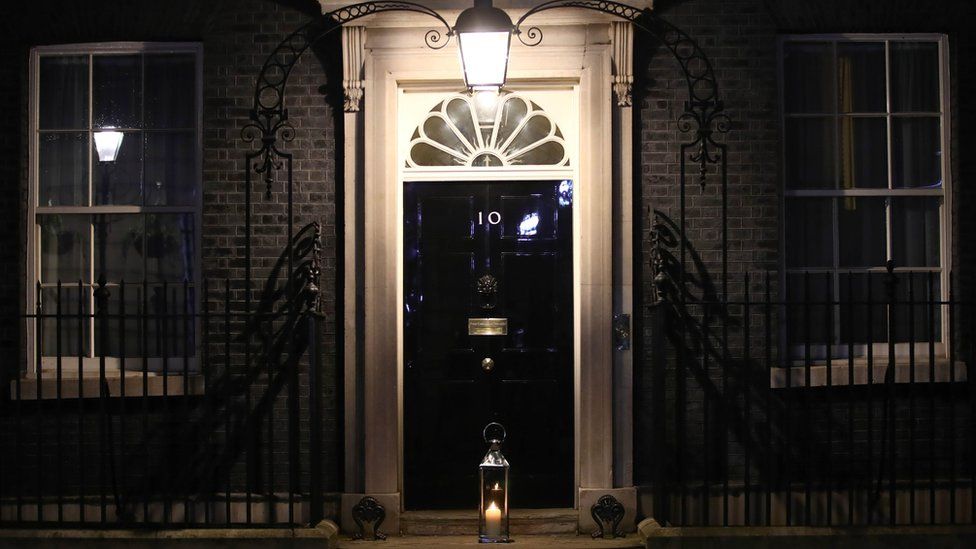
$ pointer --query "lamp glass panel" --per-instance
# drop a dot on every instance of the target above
(120, 182)
(485, 57)
(107, 145)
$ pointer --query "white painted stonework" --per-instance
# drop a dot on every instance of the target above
(571, 75)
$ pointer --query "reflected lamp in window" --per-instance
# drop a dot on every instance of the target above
(116, 194)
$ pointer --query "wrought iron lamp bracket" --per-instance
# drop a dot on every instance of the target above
(703, 114)
(268, 125)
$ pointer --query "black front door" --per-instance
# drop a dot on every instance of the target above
(498, 251)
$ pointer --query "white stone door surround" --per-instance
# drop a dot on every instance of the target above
(385, 56)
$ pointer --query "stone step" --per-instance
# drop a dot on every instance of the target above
(565, 541)
(465, 522)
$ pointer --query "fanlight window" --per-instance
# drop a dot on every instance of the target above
(485, 130)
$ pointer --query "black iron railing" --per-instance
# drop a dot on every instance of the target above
(810, 398)
(168, 405)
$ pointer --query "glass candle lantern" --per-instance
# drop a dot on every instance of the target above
(493, 473)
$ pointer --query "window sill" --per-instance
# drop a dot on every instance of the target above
(88, 386)
(938, 372)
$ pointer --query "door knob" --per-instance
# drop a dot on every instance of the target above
(487, 364)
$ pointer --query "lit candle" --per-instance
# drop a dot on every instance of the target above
(493, 521)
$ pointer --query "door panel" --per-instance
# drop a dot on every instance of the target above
(521, 235)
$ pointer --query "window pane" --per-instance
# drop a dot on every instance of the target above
(117, 91)
(809, 233)
(124, 323)
(171, 169)
(71, 327)
(169, 248)
(917, 314)
(807, 296)
(440, 131)
(118, 247)
(424, 154)
(65, 248)
(861, 77)
(548, 153)
(808, 81)
(62, 169)
(536, 128)
(120, 181)
(861, 231)
(863, 313)
(915, 231)
(863, 153)
(171, 323)
(810, 146)
(170, 91)
(63, 97)
(513, 112)
(917, 152)
(915, 77)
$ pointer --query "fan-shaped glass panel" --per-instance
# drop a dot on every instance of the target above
(487, 131)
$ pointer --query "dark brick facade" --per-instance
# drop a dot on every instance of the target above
(236, 37)
(705, 421)
(739, 36)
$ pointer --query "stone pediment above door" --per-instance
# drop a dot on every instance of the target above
(450, 9)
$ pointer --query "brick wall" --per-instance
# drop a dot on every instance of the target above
(739, 36)
(739, 39)
(235, 49)
(237, 37)
(703, 423)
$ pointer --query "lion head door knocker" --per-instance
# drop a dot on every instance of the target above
(487, 287)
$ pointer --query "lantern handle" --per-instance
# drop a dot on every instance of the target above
(494, 427)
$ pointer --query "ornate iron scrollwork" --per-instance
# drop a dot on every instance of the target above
(665, 271)
(703, 114)
(368, 511)
(657, 260)
(608, 513)
(313, 270)
(621, 331)
(268, 123)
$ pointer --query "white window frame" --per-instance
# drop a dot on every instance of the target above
(879, 349)
(91, 364)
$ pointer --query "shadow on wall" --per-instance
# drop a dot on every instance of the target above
(707, 395)
(200, 444)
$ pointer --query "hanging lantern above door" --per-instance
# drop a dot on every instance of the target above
(484, 36)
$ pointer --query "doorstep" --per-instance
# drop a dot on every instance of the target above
(544, 522)
(655, 536)
(322, 536)
(519, 542)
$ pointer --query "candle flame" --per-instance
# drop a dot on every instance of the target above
(496, 487)
(492, 506)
